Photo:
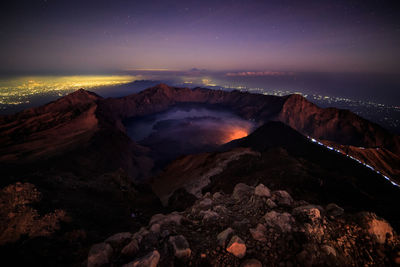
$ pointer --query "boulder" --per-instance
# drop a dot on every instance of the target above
(271, 204)
(131, 248)
(237, 247)
(328, 250)
(309, 213)
(223, 236)
(205, 203)
(181, 200)
(157, 218)
(140, 234)
(376, 227)
(180, 246)
(313, 232)
(258, 233)
(149, 241)
(209, 215)
(262, 191)
(280, 221)
(207, 195)
(119, 239)
(217, 196)
(282, 198)
(150, 260)
(155, 228)
(220, 209)
(99, 255)
(334, 210)
(242, 191)
(162, 219)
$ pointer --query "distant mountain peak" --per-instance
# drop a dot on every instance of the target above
(163, 86)
(82, 94)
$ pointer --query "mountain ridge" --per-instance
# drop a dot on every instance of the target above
(341, 126)
(75, 153)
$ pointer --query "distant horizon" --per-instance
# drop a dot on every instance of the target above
(132, 71)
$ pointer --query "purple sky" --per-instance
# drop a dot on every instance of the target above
(98, 36)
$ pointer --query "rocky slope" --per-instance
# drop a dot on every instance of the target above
(254, 226)
(281, 158)
(192, 173)
(49, 130)
(70, 129)
(71, 176)
(74, 169)
(50, 219)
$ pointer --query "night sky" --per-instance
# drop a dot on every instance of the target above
(331, 36)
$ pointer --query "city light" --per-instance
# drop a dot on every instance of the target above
(19, 90)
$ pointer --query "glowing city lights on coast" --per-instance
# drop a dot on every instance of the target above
(19, 90)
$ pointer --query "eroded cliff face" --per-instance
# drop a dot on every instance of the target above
(161, 97)
(336, 125)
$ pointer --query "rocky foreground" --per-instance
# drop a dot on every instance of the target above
(253, 226)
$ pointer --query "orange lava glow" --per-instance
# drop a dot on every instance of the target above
(235, 133)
